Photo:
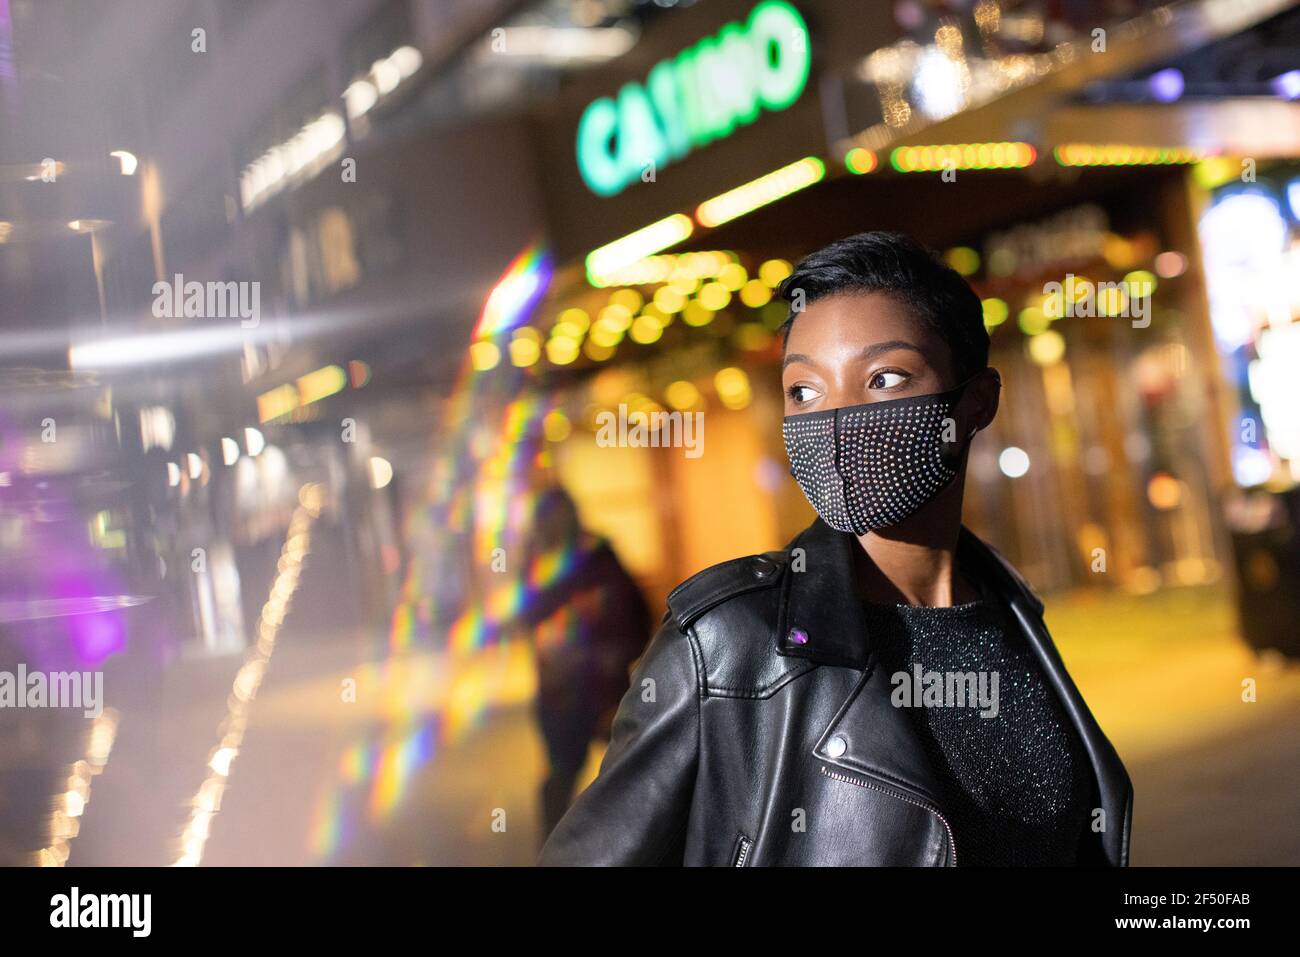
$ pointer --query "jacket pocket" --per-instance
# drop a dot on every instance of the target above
(863, 781)
(740, 857)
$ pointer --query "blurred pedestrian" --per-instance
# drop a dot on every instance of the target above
(589, 622)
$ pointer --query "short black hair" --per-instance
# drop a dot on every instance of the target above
(900, 266)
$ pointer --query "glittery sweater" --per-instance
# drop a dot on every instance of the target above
(1016, 787)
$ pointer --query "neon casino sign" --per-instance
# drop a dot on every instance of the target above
(700, 95)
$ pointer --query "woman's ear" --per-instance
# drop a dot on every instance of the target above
(983, 394)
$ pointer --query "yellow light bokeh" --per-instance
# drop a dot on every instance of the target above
(963, 259)
(995, 312)
(1164, 491)
(733, 276)
(616, 316)
(669, 300)
(752, 336)
(629, 299)
(732, 385)
(1140, 282)
(696, 314)
(567, 330)
(484, 355)
(1111, 301)
(561, 350)
(1046, 348)
(714, 296)
(755, 294)
(682, 395)
(606, 333)
(645, 330)
(774, 271)
(556, 426)
(657, 314)
(859, 160)
(524, 352)
(1033, 320)
(576, 317)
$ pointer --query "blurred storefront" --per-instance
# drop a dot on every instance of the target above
(1248, 215)
(1101, 467)
(1108, 464)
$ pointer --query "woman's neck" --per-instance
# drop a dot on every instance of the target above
(915, 562)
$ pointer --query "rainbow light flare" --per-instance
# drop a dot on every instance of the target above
(396, 763)
(516, 292)
(328, 827)
(551, 567)
(375, 773)
(479, 498)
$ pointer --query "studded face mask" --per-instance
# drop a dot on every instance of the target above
(864, 467)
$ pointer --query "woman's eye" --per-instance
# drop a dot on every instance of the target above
(800, 393)
(887, 380)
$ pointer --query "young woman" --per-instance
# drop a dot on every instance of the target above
(883, 691)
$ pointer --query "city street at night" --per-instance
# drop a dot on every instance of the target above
(457, 441)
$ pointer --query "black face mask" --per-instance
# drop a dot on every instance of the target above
(864, 467)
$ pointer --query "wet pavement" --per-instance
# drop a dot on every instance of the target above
(357, 753)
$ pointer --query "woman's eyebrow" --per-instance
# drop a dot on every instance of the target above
(879, 348)
(870, 352)
(795, 357)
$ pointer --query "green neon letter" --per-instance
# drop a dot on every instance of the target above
(662, 87)
(639, 141)
(596, 160)
(783, 55)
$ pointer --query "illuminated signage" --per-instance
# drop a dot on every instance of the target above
(700, 95)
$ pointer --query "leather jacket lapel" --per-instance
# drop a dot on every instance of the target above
(821, 620)
(1114, 789)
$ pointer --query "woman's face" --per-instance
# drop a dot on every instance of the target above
(858, 347)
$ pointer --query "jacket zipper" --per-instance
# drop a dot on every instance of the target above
(742, 851)
(863, 782)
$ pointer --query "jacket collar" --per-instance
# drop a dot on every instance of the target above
(820, 616)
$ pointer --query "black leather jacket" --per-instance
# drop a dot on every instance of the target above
(721, 750)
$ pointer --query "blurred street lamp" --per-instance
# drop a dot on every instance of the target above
(381, 472)
(126, 160)
(1014, 462)
(1167, 85)
(229, 450)
(1287, 85)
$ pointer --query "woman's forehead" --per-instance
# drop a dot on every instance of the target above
(850, 321)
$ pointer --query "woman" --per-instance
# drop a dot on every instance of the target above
(883, 691)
